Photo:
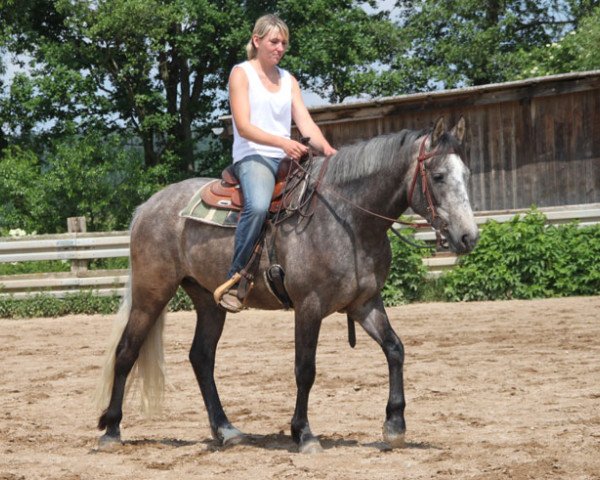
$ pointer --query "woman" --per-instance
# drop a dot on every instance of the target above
(263, 99)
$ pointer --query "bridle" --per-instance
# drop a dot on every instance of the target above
(436, 222)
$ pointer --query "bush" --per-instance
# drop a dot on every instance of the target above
(19, 190)
(117, 263)
(525, 258)
(83, 303)
(42, 266)
(44, 305)
(408, 276)
(181, 301)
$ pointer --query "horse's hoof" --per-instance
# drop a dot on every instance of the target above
(109, 443)
(230, 436)
(392, 437)
(311, 446)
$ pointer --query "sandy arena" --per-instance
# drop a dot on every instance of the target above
(495, 390)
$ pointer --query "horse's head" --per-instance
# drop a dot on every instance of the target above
(438, 188)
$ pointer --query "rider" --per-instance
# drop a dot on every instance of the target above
(263, 99)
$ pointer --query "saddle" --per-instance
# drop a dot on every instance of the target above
(226, 193)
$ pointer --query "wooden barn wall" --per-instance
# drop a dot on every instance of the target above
(532, 145)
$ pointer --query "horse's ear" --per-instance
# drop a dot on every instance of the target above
(458, 131)
(438, 131)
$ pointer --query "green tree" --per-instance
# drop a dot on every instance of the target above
(96, 176)
(19, 190)
(337, 50)
(575, 51)
(159, 68)
(468, 42)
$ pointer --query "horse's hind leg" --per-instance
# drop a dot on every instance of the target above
(142, 318)
(209, 327)
(374, 320)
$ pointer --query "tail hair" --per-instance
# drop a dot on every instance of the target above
(149, 369)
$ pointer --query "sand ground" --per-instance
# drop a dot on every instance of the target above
(494, 390)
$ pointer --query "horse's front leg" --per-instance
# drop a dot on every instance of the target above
(375, 321)
(307, 329)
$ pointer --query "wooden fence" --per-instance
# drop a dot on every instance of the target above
(79, 248)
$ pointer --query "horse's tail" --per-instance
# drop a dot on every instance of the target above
(149, 367)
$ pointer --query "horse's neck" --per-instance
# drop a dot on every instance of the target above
(380, 194)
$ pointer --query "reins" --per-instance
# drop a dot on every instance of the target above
(420, 169)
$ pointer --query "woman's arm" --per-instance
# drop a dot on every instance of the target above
(306, 124)
(240, 109)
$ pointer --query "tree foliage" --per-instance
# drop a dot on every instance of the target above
(94, 176)
(338, 50)
(159, 69)
(467, 42)
(575, 51)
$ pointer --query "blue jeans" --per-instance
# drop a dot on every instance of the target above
(257, 179)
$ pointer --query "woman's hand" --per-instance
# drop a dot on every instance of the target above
(328, 150)
(293, 149)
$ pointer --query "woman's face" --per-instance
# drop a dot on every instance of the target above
(271, 47)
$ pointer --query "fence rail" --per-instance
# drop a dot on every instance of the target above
(80, 248)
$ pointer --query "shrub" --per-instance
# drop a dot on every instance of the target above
(42, 266)
(83, 303)
(44, 305)
(407, 277)
(181, 301)
(525, 258)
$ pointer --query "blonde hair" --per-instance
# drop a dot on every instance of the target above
(262, 27)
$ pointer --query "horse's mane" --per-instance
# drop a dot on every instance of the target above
(378, 155)
(381, 155)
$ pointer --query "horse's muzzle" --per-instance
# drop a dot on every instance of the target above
(465, 243)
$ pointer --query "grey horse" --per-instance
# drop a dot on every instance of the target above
(337, 260)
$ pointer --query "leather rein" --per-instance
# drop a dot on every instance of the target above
(436, 222)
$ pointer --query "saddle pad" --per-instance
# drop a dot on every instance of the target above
(197, 210)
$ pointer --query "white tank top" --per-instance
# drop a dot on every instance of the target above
(271, 112)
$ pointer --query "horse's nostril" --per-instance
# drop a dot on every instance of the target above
(468, 242)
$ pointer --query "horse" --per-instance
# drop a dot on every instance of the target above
(335, 260)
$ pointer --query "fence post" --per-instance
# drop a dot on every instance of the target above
(77, 225)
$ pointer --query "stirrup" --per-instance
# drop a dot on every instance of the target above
(225, 287)
(230, 302)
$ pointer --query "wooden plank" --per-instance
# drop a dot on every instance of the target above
(513, 156)
(42, 283)
(33, 243)
(575, 168)
(590, 144)
(495, 177)
(101, 292)
(65, 255)
(475, 152)
(550, 181)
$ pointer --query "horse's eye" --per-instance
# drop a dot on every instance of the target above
(438, 177)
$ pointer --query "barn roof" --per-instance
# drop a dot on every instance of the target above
(478, 95)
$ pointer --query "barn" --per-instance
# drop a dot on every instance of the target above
(529, 142)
